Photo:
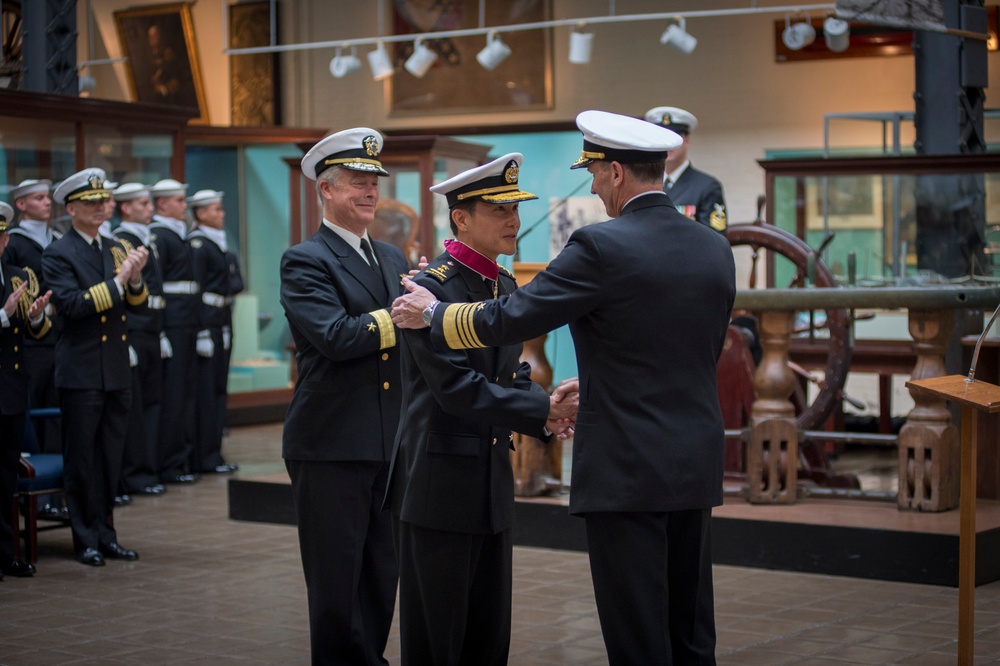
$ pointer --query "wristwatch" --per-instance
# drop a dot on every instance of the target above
(428, 314)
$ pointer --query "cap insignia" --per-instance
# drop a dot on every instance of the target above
(371, 145)
(510, 173)
(666, 119)
(95, 182)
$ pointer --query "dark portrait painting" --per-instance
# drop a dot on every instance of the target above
(457, 83)
(162, 56)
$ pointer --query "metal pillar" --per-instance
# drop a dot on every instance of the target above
(49, 30)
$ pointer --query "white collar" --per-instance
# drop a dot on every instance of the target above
(678, 172)
(349, 237)
(217, 236)
(177, 226)
(35, 230)
(90, 239)
(137, 229)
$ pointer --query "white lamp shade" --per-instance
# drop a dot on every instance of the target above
(420, 62)
(836, 34)
(344, 65)
(678, 37)
(494, 53)
(580, 46)
(380, 63)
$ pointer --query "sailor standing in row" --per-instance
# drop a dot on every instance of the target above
(141, 462)
(24, 249)
(211, 270)
(180, 316)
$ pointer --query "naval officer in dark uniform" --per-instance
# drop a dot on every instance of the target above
(451, 487)
(695, 193)
(141, 464)
(181, 295)
(647, 297)
(336, 289)
(95, 281)
(211, 270)
(22, 314)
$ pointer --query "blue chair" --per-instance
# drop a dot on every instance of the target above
(38, 474)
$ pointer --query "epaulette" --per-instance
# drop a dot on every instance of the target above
(441, 271)
(505, 272)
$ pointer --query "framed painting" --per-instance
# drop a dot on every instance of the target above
(162, 56)
(852, 202)
(456, 82)
(253, 78)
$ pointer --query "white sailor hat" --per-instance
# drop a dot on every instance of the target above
(204, 197)
(26, 187)
(495, 182)
(6, 216)
(168, 187)
(674, 119)
(130, 191)
(355, 149)
(86, 185)
(615, 138)
(110, 185)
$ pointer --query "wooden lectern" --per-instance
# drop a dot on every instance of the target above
(979, 401)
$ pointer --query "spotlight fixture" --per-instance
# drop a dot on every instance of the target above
(677, 36)
(836, 34)
(494, 53)
(86, 83)
(798, 35)
(420, 62)
(580, 45)
(380, 63)
(344, 65)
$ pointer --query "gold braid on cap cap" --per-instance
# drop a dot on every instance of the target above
(487, 190)
(346, 160)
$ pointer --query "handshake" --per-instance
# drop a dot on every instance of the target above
(563, 403)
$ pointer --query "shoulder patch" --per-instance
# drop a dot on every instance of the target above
(196, 243)
(440, 271)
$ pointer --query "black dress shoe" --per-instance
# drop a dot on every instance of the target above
(224, 468)
(113, 551)
(17, 568)
(155, 489)
(122, 500)
(182, 478)
(90, 557)
(53, 512)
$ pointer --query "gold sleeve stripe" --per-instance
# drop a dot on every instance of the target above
(40, 333)
(386, 329)
(459, 329)
(136, 299)
(101, 296)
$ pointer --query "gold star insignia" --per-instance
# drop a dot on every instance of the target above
(481, 306)
(372, 327)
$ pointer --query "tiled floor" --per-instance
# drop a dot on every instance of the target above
(208, 590)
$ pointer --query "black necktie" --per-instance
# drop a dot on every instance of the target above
(97, 246)
(367, 249)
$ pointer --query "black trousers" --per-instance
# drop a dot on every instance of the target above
(140, 462)
(454, 596)
(11, 440)
(212, 378)
(94, 424)
(177, 406)
(652, 577)
(347, 557)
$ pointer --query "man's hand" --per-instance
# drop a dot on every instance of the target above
(563, 405)
(37, 309)
(566, 388)
(407, 310)
(421, 265)
(10, 306)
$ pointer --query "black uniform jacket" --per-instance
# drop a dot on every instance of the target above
(211, 271)
(92, 352)
(149, 319)
(174, 257)
(703, 192)
(451, 465)
(346, 400)
(13, 374)
(22, 251)
(647, 297)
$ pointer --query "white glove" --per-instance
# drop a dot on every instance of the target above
(227, 337)
(166, 350)
(133, 358)
(205, 347)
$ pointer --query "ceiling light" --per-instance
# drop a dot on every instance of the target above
(678, 37)
(344, 65)
(836, 34)
(420, 62)
(798, 35)
(380, 63)
(580, 45)
(494, 53)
